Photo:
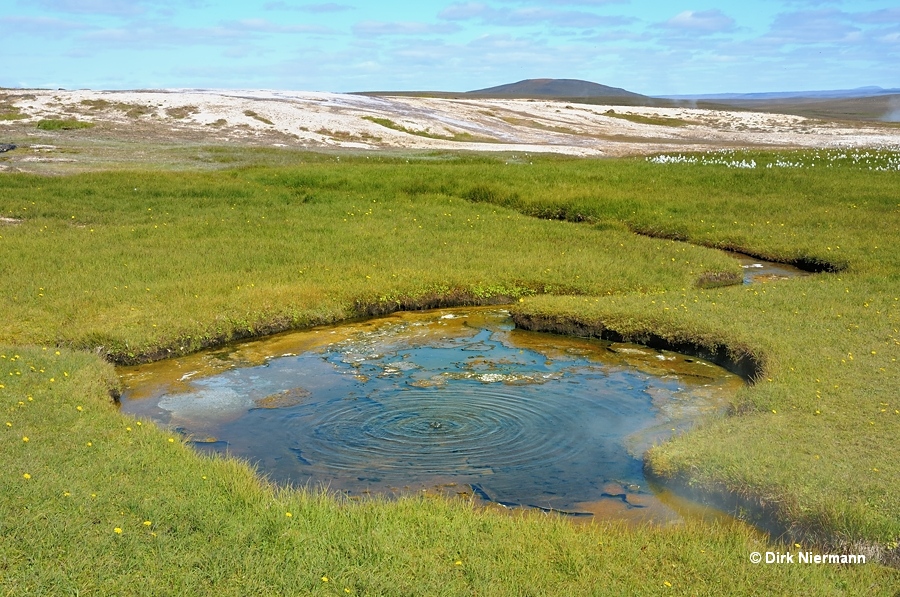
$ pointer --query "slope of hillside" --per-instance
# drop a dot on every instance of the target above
(555, 88)
(43, 123)
(873, 108)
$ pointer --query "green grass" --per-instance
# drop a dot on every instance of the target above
(531, 123)
(256, 116)
(462, 137)
(70, 124)
(812, 442)
(267, 249)
(194, 525)
(11, 113)
(180, 112)
(130, 110)
(654, 120)
(144, 264)
(8, 111)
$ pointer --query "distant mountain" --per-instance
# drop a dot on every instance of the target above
(870, 91)
(861, 104)
(555, 88)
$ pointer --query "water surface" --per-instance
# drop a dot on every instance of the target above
(760, 270)
(453, 401)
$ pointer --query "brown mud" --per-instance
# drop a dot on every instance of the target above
(740, 361)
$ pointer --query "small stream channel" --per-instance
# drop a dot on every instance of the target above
(452, 401)
(758, 270)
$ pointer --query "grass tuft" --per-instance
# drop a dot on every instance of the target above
(70, 124)
(643, 119)
(256, 116)
(462, 137)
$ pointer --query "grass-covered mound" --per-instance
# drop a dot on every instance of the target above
(138, 265)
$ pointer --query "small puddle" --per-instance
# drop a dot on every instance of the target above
(455, 401)
(759, 270)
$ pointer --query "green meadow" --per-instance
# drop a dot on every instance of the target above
(125, 266)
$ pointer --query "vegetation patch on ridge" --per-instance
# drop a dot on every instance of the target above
(68, 124)
(644, 119)
(388, 123)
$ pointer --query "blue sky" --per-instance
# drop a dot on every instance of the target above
(650, 47)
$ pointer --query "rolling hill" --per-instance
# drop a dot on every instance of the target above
(555, 88)
(871, 104)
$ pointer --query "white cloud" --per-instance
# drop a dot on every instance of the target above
(529, 16)
(571, 2)
(819, 26)
(265, 26)
(118, 8)
(37, 26)
(382, 28)
(463, 11)
(889, 17)
(327, 7)
(93, 7)
(701, 22)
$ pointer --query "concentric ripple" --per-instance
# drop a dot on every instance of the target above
(448, 430)
(454, 398)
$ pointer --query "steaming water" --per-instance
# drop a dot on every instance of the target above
(455, 401)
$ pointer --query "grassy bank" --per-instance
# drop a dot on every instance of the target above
(115, 506)
(144, 264)
(828, 344)
(810, 448)
(138, 263)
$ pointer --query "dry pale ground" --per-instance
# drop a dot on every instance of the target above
(127, 121)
